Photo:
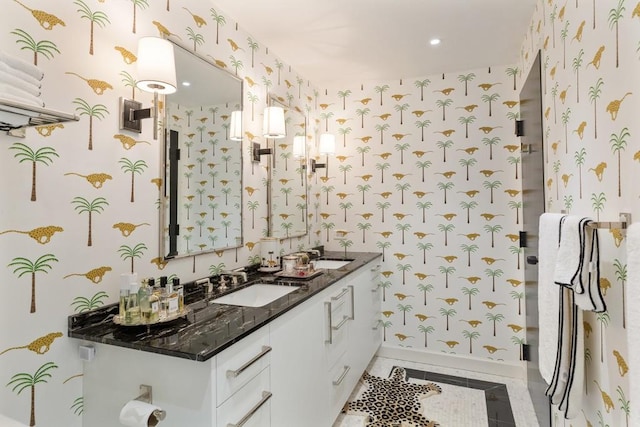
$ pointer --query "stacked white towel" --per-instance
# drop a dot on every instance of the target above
(20, 80)
(633, 316)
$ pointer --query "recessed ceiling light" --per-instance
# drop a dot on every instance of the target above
(186, 84)
(434, 42)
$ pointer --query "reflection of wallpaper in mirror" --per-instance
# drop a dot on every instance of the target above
(288, 204)
(210, 186)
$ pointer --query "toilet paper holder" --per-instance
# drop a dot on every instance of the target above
(146, 396)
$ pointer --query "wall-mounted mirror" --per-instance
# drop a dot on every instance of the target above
(201, 210)
(288, 177)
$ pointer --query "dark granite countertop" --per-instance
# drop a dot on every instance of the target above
(208, 328)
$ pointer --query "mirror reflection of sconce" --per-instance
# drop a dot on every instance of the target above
(235, 129)
(156, 74)
(298, 146)
(327, 145)
(273, 126)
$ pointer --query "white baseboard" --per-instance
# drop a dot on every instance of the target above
(493, 367)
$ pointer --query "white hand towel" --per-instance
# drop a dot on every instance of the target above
(14, 81)
(589, 276)
(22, 65)
(20, 74)
(570, 259)
(548, 296)
(633, 316)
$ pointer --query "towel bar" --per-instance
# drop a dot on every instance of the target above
(625, 221)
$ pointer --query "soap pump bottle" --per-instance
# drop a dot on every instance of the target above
(125, 288)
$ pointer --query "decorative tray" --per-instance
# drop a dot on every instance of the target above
(298, 275)
(118, 320)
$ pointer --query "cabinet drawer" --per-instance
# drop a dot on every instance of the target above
(343, 379)
(238, 364)
(250, 406)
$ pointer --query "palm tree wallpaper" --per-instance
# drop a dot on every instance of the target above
(427, 172)
(431, 169)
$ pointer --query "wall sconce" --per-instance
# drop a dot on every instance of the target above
(327, 144)
(273, 126)
(298, 146)
(156, 74)
(235, 129)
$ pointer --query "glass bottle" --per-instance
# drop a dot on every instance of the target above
(132, 314)
(177, 287)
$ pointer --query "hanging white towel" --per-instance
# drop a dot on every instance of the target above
(22, 65)
(548, 299)
(633, 316)
(578, 263)
(591, 298)
(570, 254)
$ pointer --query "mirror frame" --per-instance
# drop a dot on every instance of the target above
(170, 174)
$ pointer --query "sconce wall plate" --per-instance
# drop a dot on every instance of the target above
(315, 165)
(127, 121)
(257, 151)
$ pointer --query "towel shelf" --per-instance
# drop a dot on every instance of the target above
(25, 115)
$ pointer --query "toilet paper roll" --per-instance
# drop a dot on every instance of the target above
(140, 414)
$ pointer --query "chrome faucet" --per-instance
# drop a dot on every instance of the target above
(314, 252)
(234, 275)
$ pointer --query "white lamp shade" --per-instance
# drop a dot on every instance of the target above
(156, 66)
(273, 126)
(298, 146)
(235, 129)
(327, 145)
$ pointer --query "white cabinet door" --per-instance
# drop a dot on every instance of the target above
(366, 332)
(296, 368)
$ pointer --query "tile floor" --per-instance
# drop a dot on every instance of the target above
(468, 399)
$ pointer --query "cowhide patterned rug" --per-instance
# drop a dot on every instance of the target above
(393, 401)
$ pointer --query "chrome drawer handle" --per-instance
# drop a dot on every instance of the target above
(266, 395)
(340, 295)
(353, 302)
(329, 339)
(345, 319)
(342, 376)
(233, 374)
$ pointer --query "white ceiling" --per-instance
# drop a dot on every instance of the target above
(330, 42)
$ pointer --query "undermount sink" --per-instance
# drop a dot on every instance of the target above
(257, 295)
(331, 264)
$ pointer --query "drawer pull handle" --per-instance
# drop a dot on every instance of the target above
(233, 374)
(345, 319)
(266, 395)
(353, 302)
(340, 295)
(329, 339)
(342, 376)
